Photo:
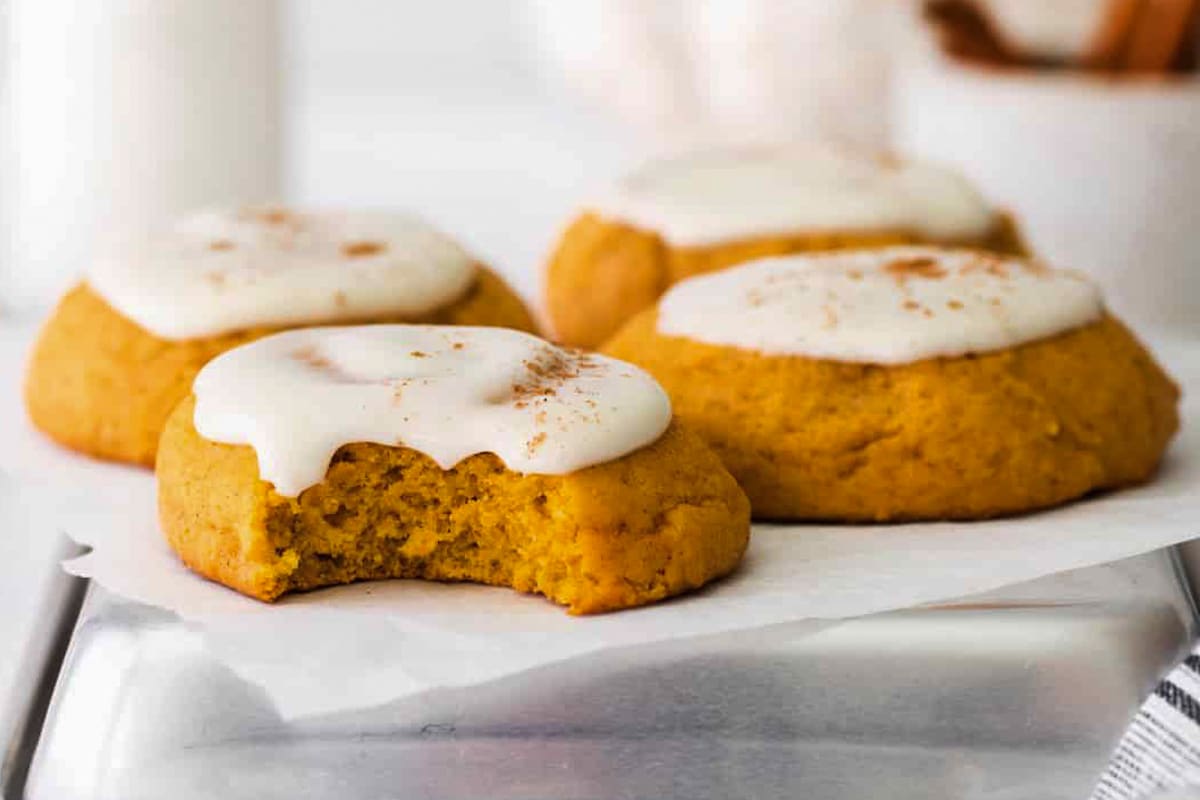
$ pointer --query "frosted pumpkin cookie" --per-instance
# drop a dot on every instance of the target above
(121, 349)
(907, 383)
(675, 219)
(332, 455)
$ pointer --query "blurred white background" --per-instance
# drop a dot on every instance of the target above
(496, 119)
(493, 118)
(444, 109)
(117, 113)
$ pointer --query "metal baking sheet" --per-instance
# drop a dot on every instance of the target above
(1019, 693)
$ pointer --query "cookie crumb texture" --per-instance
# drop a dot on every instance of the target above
(970, 437)
(100, 384)
(603, 272)
(663, 520)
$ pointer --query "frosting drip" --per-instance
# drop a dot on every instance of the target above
(217, 272)
(890, 306)
(717, 197)
(449, 392)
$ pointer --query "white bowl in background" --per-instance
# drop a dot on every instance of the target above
(1103, 173)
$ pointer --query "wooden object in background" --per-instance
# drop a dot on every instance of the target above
(1159, 34)
(1143, 36)
(1111, 37)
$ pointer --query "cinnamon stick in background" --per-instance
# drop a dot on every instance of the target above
(1112, 37)
(965, 30)
(1034, 33)
(1188, 57)
(1160, 32)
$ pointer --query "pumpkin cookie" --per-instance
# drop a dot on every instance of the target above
(675, 219)
(907, 383)
(332, 455)
(122, 348)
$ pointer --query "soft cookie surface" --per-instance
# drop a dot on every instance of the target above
(1062, 406)
(446, 454)
(707, 212)
(101, 384)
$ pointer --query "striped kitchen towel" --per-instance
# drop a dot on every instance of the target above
(1161, 750)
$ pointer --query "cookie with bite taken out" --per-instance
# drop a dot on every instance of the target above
(319, 457)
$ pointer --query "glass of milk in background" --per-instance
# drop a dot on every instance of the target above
(118, 115)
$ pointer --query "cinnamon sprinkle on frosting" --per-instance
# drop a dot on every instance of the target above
(362, 249)
(537, 441)
(297, 396)
(904, 268)
(310, 356)
(273, 216)
(280, 268)
(888, 305)
(546, 374)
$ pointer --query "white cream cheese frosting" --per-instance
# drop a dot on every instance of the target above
(889, 306)
(449, 392)
(221, 271)
(730, 195)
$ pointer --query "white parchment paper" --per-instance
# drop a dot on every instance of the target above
(366, 644)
